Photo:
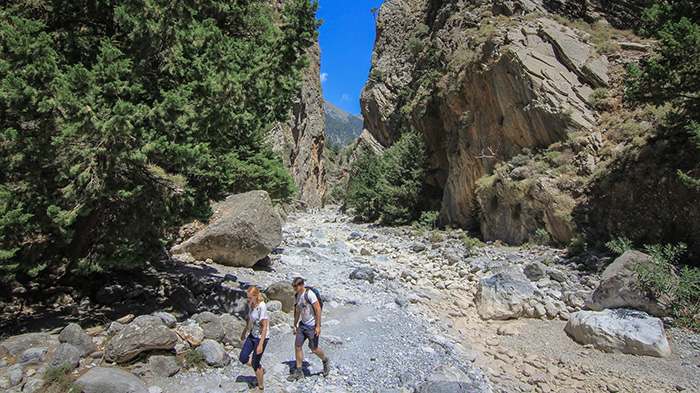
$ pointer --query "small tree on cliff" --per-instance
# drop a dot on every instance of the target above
(389, 187)
(672, 73)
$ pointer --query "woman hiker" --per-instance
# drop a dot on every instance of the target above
(259, 334)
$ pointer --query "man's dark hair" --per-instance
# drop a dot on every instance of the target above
(297, 281)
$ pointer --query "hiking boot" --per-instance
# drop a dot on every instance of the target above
(326, 367)
(296, 375)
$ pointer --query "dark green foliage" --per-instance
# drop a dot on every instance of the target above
(121, 119)
(675, 286)
(389, 187)
(363, 193)
(672, 73)
(401, 183)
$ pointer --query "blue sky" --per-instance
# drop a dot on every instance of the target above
(347, 39)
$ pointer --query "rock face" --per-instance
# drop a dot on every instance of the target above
(623, 330)
(617, 290)
(478, 89)
(248, 228)
(302, 138)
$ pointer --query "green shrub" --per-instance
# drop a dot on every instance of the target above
(415, 45)
(471, 242)
(428, 220)
(619, 245)
(599, 99)
(541, 237)
(675, 287)
(194, 359)
(577, 246)
(436, 238)
(377, 75)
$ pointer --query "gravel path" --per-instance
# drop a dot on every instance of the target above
(390, 335)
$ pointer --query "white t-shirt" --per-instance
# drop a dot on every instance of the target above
(256, 316)
(307, 315)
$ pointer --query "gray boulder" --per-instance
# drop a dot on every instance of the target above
(617, 290)
(627, 331)
(32, 356)
(134, 339)
(110, 380)
(75, 335)
(535, 270)
(282, 291)
(214, 353)
(65, 354)
(247, 229)
(163, 365)
(363, 273)
(211, 325)
(233, 327)
(503, 295)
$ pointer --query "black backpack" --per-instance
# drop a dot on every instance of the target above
(318, 296)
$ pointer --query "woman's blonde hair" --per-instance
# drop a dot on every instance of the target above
(255, 292)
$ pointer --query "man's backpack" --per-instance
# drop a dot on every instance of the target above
(318, 296)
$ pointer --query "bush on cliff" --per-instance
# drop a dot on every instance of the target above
(389, 187)
(121, 119)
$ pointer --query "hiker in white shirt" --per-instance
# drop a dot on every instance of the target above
(256, 341)
(308, 309)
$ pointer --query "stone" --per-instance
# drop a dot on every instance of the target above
(535, 270)
(110, 380)
(182, 299)
(32, 356)
(503, 295)
(211, 325)
(135, 339)
(617, 289)
(75, 335)
(448, 379)
(163, 365)
(247, 230)
(363, 273)
(214, 353)
(233, 327)
(193, 334)
(64, 355)
(627, 331)
(282, 291)
(166, 318)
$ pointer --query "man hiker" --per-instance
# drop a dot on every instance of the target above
(308, 308)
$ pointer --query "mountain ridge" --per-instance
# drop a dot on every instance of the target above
(342, 128)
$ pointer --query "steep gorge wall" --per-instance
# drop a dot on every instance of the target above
(480, 83)
(300, 141)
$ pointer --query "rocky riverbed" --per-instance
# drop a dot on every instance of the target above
(401, 315)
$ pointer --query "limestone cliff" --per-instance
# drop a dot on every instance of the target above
(506, 88)
(301, 139)
(478, 84)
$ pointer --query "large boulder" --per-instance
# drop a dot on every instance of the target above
(246, 230)
(134, 339)
(75, 335)
(110, 380)
(503, 295)
(617, 289)
(282, 291)
(627, 331)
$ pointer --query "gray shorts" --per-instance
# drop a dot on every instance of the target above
(304, 332)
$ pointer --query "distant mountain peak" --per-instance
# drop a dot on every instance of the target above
(342, 128)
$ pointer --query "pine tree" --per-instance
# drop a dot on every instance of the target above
(672, 74)
(120, 119)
